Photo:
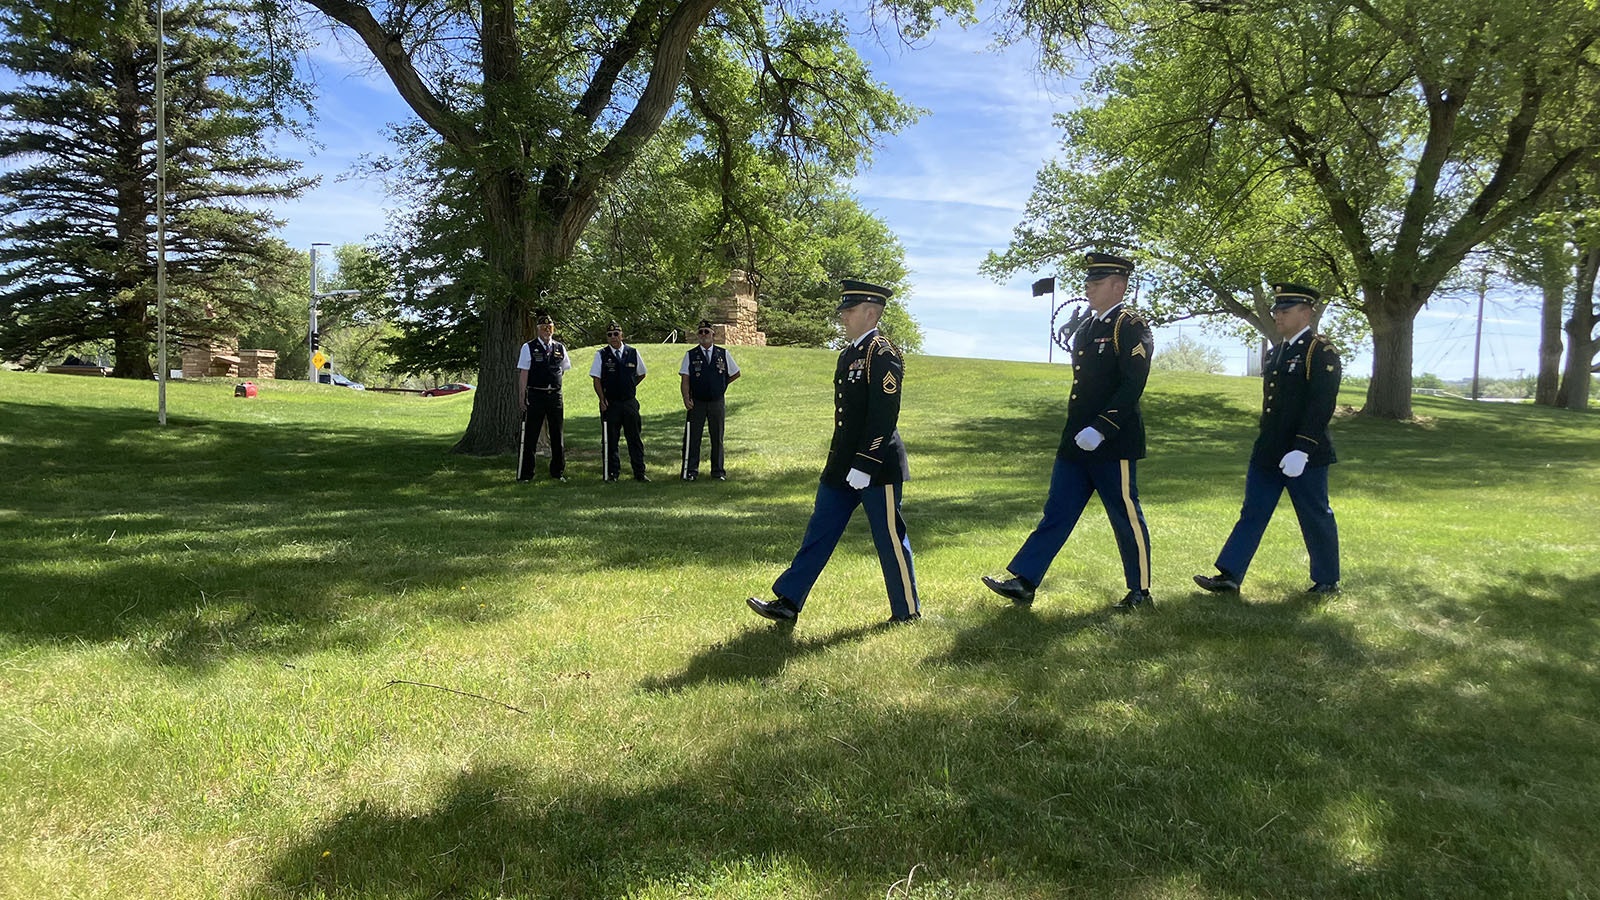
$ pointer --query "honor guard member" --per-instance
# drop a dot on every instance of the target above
(617, 371)
(540, 366)
(705, 374)
(1101, 443)
(866, 466)
(1300, 384)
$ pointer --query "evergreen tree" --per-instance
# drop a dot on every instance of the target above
(78, 196)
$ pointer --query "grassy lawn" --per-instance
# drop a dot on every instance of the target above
(223, 643)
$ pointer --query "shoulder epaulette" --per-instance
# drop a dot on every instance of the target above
(1116, 329)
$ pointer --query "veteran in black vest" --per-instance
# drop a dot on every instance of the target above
(540, 366)
(617, 371)
(866, 466)
(1299, 388)
(1102, 442)
(704, 376)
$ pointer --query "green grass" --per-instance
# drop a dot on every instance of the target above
(201, 626)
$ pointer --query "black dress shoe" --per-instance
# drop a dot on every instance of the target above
(609, 478)
(1133, 600)
(1014, 589)
(641, 477)
(720, 477)
(778, 609)
(903, 620)
(1217, 583)
(1324, 588)
(690, 476)
(561, 478)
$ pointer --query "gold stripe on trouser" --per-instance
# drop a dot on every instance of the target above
(1138, 533)
(914, 605)
(684, 469)
(605, 457)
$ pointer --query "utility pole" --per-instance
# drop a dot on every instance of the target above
(1477, 339)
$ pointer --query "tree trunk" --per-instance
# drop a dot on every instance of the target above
(496, 413)
(130, 342)
(1389, 393)
(1581, 340)
(1545, 389)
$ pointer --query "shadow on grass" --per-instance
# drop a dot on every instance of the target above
(756, 653)
(208, 539)
(1251, 751)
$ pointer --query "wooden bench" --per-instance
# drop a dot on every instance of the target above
(97, 371)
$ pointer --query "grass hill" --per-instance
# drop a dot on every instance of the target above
(289, 646)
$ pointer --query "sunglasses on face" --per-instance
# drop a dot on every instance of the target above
(705, 331)
(613, 334)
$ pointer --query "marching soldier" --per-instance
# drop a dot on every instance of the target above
(540, 366)
(866, 466)
(1101, 443)
(1293, 450)
(617, 371)
(705, 374)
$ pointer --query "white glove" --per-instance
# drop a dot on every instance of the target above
(1293, 463)
(858, 479)
(1088, 439)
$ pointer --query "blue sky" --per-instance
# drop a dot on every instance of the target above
(951, 187)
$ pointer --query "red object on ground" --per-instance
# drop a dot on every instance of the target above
(248, 389)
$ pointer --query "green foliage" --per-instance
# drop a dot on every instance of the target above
(542, 110)
(1364, 149)
(78, 194)
(1188, 355)
(230, 642)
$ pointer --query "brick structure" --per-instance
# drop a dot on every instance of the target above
(197, 361)
(227, 361)
(258, 363)
(733, 314)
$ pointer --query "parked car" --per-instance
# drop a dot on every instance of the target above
(446, 389)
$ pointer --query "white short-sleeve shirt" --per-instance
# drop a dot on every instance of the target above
(525, 358)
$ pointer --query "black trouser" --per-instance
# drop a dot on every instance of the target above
(703, 413)
(621, 416)
(543, 406)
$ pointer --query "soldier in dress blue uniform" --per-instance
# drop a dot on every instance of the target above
(617, 371)
(1300, 385)
(866, 465)
(1101, 443)
(705, 374)
(540, 366)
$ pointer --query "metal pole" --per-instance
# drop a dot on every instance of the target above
(1477, 339)
(311, 351)
(161, 212)
(1050, 351)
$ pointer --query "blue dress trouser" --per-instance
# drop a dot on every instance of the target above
(1309, 493)
(834, 507)
(1071, 484)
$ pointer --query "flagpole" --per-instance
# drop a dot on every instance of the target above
(161, 211)
(1050, 353)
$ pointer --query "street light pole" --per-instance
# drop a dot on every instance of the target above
(311, 334)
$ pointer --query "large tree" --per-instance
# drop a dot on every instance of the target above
(78, 197)
(544, 105)
(657, 253)
(1409, 132)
